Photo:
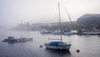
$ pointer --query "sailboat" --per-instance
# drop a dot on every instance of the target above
(44, 31)
(66, 31)
(56, 32)
(58, 44)
(12, 39)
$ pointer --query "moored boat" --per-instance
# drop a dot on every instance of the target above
(44, 31)
(56, 32)
(68, 32)
(58, 45)
(24, 39)
(12, 39)
(88, 32)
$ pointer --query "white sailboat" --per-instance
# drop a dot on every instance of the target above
(56, 32)
(67, 31)
(58, 44)
(44, 31)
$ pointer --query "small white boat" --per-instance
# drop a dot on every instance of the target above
(68, 32)
(58, 45)
(65, 32)
(56, 32)
(44, 31)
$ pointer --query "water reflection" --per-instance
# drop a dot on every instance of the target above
(14, 42)
(18, 42)
(57, 53)
(32, 49)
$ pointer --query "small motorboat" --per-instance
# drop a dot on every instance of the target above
(10, 39)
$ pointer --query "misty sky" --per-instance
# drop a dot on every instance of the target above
(44, 11)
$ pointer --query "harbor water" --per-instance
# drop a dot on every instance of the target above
(89, 45)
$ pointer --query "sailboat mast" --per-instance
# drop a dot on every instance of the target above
(21, 28)
(60, 19)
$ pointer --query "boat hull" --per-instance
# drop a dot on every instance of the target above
(69, 33)
(91, 33)
(67, 47)
(13, 40)
(56, 32)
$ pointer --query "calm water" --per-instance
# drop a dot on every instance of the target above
(89, 45)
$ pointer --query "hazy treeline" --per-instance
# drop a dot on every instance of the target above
(49, 26)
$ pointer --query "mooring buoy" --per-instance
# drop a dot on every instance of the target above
(41, 46)
(77, 50)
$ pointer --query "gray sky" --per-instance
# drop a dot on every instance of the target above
(45, 11)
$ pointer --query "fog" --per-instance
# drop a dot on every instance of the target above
(44, 11)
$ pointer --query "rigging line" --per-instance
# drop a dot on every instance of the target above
(67, 13)
(55, 14)
(57, 18)
(68, 16)
(21, 28)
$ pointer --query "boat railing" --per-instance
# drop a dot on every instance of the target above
(53, 39)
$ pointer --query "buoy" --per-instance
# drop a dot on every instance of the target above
(77, 50)
(41, 46)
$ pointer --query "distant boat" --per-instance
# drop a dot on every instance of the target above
(65, 32)
(12, 39)
(44, 31)
(68, 32)
(58, 44)
(22, 39)
(56, 32)
(92, 31)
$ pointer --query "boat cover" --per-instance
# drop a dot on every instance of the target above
(54, 43)
(57, 43)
